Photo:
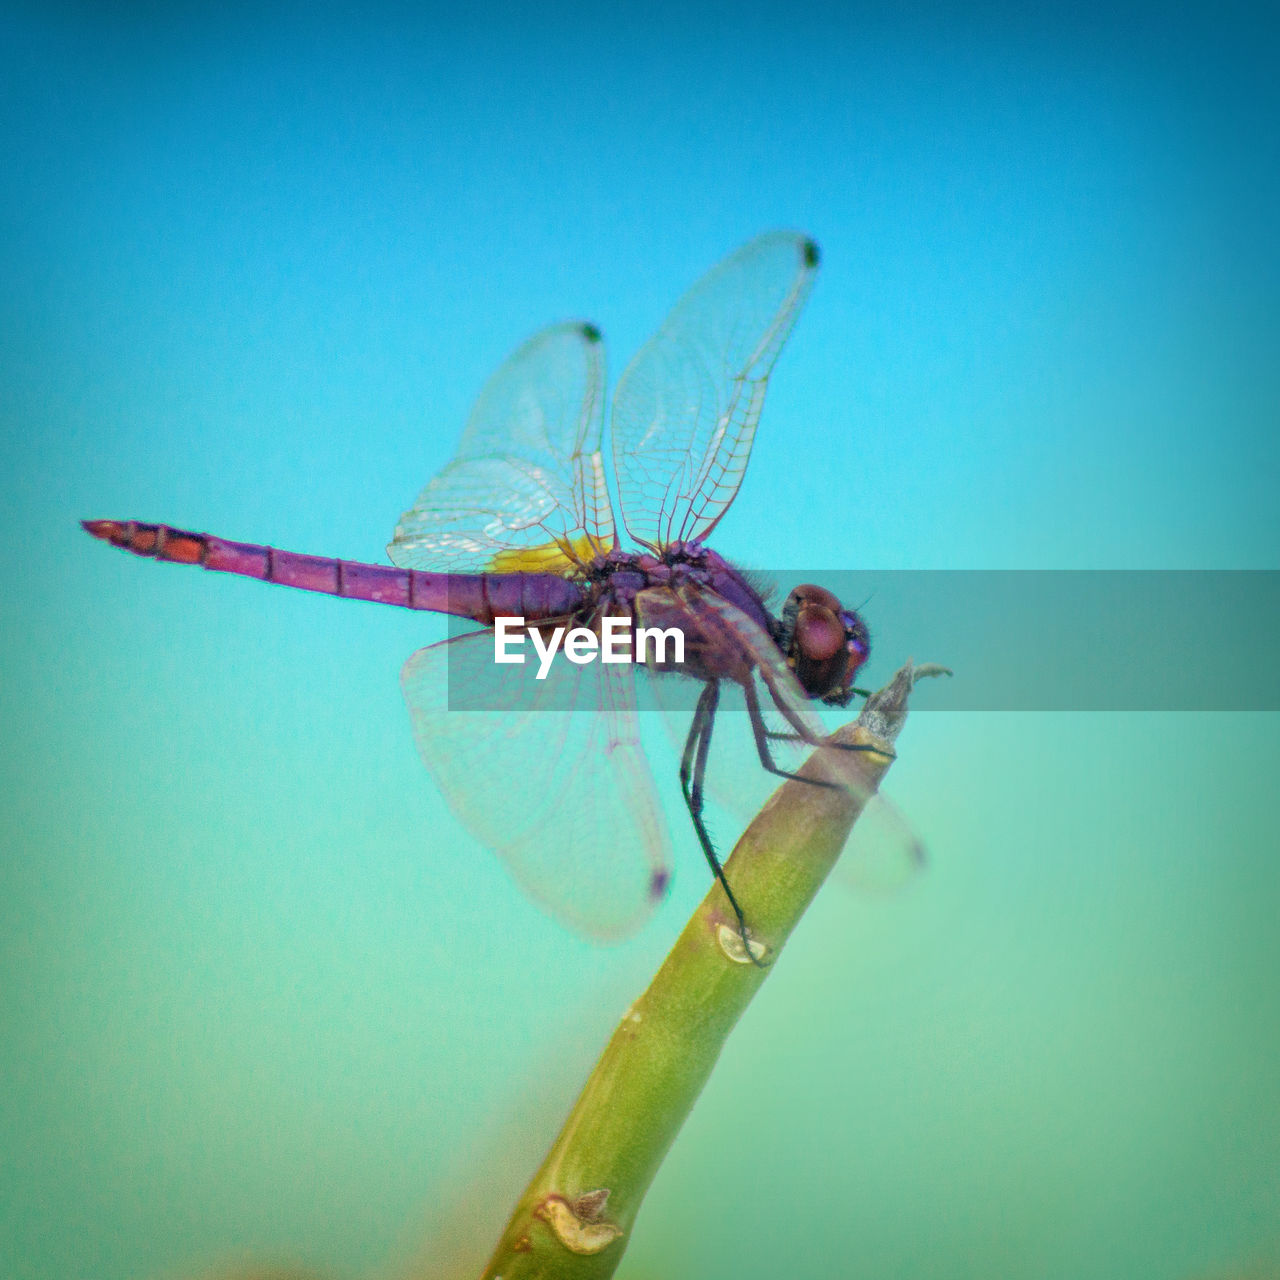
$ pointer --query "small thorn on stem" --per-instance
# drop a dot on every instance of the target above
(735, 946)
(577, 1233)
(589, 1206)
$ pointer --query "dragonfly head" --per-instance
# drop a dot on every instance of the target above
(823, 643)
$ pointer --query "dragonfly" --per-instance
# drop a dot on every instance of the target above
(535, 520)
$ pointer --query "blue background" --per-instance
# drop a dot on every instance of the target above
(260, 996)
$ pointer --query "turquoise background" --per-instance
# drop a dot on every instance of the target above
(260, 996)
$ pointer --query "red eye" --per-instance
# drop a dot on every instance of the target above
(824, 645)
(819, 633)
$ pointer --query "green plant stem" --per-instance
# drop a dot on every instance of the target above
(575, 1217)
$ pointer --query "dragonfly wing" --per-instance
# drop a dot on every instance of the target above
(686, 408)
(526, 489)
(550, 775)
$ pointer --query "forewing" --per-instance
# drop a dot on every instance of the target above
(564, 797)
(526, 490)
(686, 409)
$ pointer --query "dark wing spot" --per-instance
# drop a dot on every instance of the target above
(590, 333)
(811, 254)
(658, 883)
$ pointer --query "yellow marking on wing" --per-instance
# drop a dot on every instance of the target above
(549, 557)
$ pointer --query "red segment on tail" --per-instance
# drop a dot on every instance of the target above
(155, 540)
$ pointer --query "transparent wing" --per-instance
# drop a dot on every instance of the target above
(526, 490)
(550, 775)
(883, 851)
(686, 408)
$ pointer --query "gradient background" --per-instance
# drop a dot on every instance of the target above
(260, 996)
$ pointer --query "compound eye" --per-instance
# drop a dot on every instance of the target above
(808, 594)
(820, 634)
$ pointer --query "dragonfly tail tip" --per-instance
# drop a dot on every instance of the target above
(104, 529)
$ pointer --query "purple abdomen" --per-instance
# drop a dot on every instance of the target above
(482, 597)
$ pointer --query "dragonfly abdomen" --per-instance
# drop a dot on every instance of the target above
(481, 597)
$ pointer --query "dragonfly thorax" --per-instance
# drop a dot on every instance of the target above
(667, 589)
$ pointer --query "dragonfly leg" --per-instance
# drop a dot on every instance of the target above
(762, 736)
(759, 727)
(774, 736)
(693, 771)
